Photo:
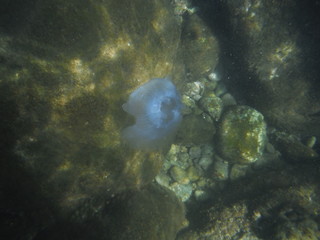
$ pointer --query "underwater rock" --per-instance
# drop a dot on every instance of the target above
(152, 213)
(156, 106)
(291, 147)
(228, 100)
(195, 130)
(294, 223)
(212, 104)
(200, 47)
(289, 214)
(181, 190)
(220, 169)
(189, 105)
(194, 90)
(195, 152)
(273, 74)
(223, 224)
(179, 175)
(242, 135)
(186, 171)
(238, 171)
(65, 75)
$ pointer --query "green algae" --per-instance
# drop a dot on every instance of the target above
(69, 71)
(242, 135)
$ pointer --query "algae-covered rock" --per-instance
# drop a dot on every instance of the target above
(292, 147)
(212, 104)
(153, 213)
(242, 135)
(288, 214)
(64, 78)
(294, 223)
(150, 213)
(223, 224)
(273, 74)
(200, 47)
(195, 130)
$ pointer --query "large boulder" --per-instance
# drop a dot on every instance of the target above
(68, 68)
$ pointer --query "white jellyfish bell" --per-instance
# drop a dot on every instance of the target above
(156, 106)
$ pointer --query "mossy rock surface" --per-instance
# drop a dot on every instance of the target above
(66, 74)
(153, 213)
(242, 135)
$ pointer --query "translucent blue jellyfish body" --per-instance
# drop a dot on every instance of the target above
(156, 106)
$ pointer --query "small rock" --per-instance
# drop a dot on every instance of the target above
(182, 191)
(220, 169)
(205, 162)
(179, 175)
(195, 90)
(188, 105)
(228, 100)
(201, 195)
(193, 174)
(212, 105)
(238, 171)
(195, 152)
